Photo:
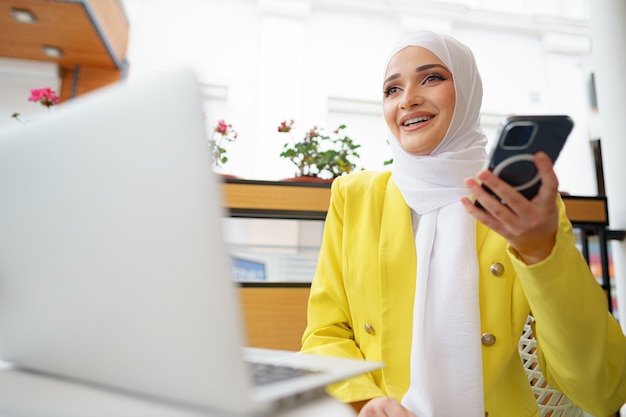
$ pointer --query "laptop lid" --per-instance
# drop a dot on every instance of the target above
(112, 266)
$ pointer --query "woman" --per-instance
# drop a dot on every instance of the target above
(407, 276)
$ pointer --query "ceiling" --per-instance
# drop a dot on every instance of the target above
(89, 32)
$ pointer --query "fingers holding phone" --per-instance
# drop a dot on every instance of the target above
(516, 196)
(529, 226)
(494, 191)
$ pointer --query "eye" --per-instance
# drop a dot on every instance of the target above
(434, 77)
(391, 90)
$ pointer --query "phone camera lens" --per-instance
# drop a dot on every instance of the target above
(519, 136)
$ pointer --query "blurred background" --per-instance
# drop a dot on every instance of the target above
(320, 62)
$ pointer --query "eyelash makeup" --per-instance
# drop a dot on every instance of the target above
(434, 76)
(387, 92)
(428, 78)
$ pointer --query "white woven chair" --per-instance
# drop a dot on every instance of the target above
(552, 403)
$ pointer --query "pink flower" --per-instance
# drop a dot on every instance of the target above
(222, 127)
(46, 96)
(285, 127)
(222, 134)
(312, 133)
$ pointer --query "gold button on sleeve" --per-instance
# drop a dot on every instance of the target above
(488, 339)
(369, 329)
(497, 269)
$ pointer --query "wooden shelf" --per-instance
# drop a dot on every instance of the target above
(282, 199)
(587, 210)
(276, 199)
(93, 35)
(89, 32)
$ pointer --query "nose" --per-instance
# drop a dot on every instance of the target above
(411, 97)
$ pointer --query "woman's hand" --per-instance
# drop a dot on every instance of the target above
(529, 226)
(384, 407)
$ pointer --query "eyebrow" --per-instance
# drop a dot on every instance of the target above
(418, 69)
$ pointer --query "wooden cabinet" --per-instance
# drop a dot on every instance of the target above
(275, 315)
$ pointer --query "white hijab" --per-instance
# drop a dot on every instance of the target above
(446, 353)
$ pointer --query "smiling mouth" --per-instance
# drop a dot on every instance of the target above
(416, 120)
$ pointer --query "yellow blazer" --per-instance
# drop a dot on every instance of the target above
(361, 306)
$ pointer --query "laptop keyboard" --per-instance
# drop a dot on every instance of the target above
(265, 373)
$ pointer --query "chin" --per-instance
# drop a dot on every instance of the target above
(417, 149)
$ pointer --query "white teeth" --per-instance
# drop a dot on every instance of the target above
(417, 120)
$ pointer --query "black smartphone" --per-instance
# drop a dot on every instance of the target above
(519, 138)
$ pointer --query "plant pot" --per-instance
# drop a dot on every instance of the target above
(305, 178)
(228, 176)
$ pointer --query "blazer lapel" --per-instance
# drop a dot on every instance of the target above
(398, 271)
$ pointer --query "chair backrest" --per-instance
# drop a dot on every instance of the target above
(551, 402)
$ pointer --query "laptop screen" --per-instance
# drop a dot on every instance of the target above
(112, 268)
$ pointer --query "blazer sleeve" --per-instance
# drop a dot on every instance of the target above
(329, 330)
(581, 347)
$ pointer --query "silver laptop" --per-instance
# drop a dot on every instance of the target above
(112, 266)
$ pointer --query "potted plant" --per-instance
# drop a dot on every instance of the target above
(221, 134)
(319, 155)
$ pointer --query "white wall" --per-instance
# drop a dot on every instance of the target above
(320, 62)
